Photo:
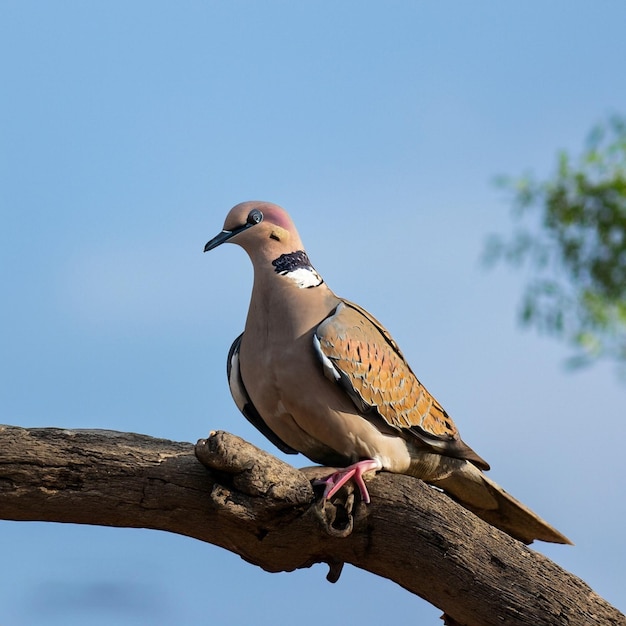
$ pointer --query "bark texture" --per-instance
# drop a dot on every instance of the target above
(229, 493)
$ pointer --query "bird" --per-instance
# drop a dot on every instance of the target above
(319, 375)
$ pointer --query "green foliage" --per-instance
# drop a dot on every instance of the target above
(570, 232)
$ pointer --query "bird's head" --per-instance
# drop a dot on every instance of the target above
(257, 227)
(267, 234)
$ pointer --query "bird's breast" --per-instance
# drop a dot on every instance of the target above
(307, 411)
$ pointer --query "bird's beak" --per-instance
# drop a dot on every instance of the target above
(224, 236)
(254, 217)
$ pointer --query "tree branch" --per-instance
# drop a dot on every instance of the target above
(231, 494)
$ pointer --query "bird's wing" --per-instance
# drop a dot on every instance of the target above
(360, 355)
(243, 402)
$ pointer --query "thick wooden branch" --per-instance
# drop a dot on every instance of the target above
(247, 501)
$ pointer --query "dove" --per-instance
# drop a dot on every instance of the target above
(320, 376)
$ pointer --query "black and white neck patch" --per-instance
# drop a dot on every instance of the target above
(297, 267)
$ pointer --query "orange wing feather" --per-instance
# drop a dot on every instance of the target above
(374, 368)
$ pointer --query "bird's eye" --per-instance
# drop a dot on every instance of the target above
(254, 217)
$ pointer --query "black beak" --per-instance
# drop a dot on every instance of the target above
(254, 217)
(224, 236)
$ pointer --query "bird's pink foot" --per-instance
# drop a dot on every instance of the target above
(336, 481)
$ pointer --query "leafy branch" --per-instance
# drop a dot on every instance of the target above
(571, 233)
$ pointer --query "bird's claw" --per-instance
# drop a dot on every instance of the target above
(338, 479)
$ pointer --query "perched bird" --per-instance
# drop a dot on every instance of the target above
(319, 375)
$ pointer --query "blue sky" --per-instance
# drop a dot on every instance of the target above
(128, 130)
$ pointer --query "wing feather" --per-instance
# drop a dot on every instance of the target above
(373, 371)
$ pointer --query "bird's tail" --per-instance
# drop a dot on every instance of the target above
(485, 498)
